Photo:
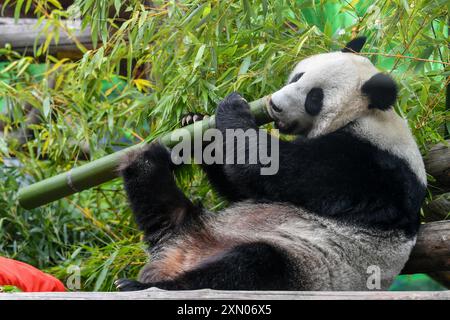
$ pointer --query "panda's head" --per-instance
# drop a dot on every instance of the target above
(327, 91)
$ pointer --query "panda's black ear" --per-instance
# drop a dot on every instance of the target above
(381, 90)
(355, 45)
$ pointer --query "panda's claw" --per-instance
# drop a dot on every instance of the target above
(235, 97)
(190, 118)
(186, 120)
(234, 101)
(234, 106)
(129, 285)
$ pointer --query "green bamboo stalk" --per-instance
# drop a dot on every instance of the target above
(104, 169)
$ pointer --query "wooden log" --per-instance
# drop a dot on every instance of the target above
(23, 35)
(438, 209)
(8, 11)
(432, 250)
(157, 294)
(437, 163)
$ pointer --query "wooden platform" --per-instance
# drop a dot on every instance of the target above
(157, 294)
(24, 34)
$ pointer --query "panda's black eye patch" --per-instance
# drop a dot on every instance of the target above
(296, 77)
(314, 101)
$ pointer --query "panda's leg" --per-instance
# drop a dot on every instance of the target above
(214, 172)
(253, 266)
(159, 206)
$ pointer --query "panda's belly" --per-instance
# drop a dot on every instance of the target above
(323, 254)
(327, 255)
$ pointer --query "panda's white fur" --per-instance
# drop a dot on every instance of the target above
(390, 132)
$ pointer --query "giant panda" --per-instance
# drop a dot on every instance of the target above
(343, 206)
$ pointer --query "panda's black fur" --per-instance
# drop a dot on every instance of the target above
(339, 175)
(337, 205)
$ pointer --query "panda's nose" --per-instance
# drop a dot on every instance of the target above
(274, 107)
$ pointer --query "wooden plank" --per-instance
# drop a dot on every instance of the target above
(8, 11)
(22, 36)
(157, 294)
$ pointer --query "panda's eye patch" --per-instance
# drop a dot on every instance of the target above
(296, 77)
(314, 101)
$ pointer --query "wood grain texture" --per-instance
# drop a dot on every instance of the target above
(8, 11)
(157, 294)
(437, 163)
(23, 35)
(438, 209)
(432, 250)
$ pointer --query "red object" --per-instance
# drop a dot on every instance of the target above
(26, 277)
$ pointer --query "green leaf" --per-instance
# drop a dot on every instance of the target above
(17, 9)
(245, 65)
(28, 6)
(4, 147)
(424, 55)
(56, 4)
(117, 5)
(101, 278)
(46, 106)
(199, 56)
(406, 5)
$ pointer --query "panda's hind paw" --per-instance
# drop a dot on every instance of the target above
(190, 118)
(130, 285)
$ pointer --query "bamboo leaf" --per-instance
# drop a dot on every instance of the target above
(56, 3)
(17, 9)
(102, 276)
(117, 5)
(245, 65)
(28, 6)
(199, 56)
(46, 107)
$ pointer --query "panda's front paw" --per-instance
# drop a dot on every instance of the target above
(234, 102)
(234, 112)
(144, 161)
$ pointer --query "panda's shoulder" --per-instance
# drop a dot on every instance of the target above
(345, 153)
(344, 145)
